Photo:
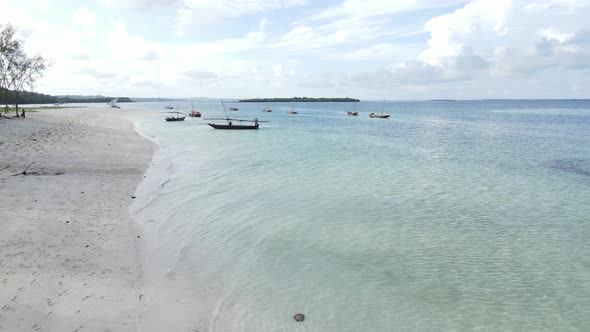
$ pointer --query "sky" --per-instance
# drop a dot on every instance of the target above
(367, 49)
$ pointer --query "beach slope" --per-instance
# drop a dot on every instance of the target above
(68, 249)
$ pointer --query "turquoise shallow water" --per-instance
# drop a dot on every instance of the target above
(447, 216)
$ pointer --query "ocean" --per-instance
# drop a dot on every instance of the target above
(449, 215)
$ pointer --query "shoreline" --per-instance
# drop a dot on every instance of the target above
(70, 249)
(155, 177)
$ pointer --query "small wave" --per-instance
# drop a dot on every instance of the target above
(572, 165)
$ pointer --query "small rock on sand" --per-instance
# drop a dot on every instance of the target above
(299, 317)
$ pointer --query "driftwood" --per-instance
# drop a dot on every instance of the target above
(25, 171)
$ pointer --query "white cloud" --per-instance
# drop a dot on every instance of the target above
(84, 16)
(199, 74)
(373, 8)
(42, 4)
(481, 18)
(554, 5)
(196, 13)
(138, 4)
(380, 51)
(235, 8)
(150, 55)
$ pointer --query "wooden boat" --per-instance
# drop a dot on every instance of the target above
(194, 113)
(353, 113)
(292, 110)
(175, 116)
(379, 116)
(113, 103)
(229, 125)
(268, 110)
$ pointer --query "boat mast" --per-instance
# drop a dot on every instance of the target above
(226, 117)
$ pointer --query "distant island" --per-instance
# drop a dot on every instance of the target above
(39, 98)
(298, 99)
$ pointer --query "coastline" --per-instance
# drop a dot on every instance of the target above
(70, 254)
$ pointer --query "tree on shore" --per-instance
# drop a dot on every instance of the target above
(17, 69)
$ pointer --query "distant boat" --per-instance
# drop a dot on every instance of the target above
(268, 110)
(379, 116)
(175, 116)
(354, 112)
(194, 113)
(113, 103)
(233, 108)
(292, 110)
(169, 107)
(229, 125)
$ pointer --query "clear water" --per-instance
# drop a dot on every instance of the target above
(447, 216)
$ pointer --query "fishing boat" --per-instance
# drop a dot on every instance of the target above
(175, 116)
(379, 116)
(113, 103)
(267, 110)
(353, 112)
(233, 108)
(194, 112)
(230, 125)
(292, 110)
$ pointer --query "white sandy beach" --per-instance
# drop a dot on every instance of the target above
(69, 258)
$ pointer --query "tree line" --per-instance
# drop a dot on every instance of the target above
(18, 70)
(26, 97)
(297, 99)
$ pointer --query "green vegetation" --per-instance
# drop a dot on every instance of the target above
(298, 99)
(39, 98)
(18, 70)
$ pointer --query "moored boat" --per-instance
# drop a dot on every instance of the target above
(175, 116)
(194, 113)
(379, 116)
(292, 110)
(229, 125)
(353, 113)
(268, 110)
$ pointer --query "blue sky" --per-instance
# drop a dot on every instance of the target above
(370, 49)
